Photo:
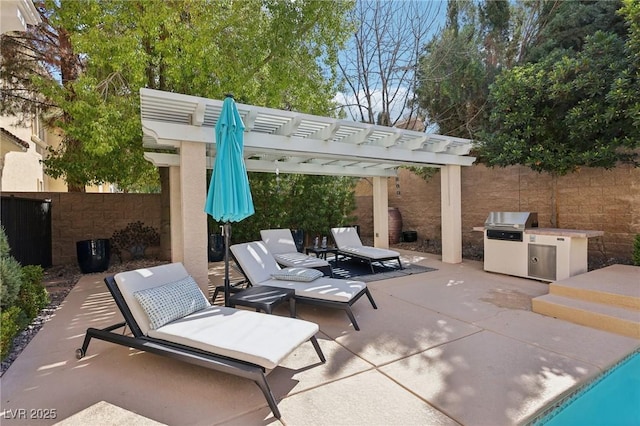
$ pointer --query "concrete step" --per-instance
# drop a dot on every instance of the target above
(606, 299)
(615, 285)
(614, 319)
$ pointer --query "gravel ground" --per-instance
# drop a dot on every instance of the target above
(59, 280)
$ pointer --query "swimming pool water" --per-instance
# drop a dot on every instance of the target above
(613, 399)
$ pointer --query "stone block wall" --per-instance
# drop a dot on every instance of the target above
(590, 199)
(596, 199)
(79, 216)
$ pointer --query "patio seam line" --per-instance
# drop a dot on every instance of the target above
(319, 385)
(564, 355)
(426, 401)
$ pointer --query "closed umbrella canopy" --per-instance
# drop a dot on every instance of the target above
(229, 196)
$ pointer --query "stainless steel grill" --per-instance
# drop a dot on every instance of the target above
(509, 226)
(511, 220)
(515, 245)
(506, 243)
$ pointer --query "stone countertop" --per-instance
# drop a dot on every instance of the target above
(572, 233)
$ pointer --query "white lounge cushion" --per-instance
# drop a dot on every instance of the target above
(282, 246)
(374, 253)
(346, 237)
(324, 288)
(297, 274)
(171, 301)
(241, 334)
(348, 241)
(258, 265)
(300, 260)
(140, 279)
(279, 240)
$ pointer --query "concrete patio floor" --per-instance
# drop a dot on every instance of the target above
(453, 346)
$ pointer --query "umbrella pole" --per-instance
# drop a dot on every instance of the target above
(227, 239)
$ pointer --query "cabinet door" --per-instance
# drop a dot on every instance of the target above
(542, 262)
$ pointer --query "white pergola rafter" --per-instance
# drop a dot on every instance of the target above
(169, 117)
(182, 127)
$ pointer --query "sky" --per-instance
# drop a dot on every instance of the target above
(396, 21)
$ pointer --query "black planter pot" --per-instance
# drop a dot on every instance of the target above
(409, 236)
(216, 248)
(93, 255)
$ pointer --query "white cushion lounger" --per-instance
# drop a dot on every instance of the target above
(258, 265)
(349, 245)
(169, 315)
(282, 246)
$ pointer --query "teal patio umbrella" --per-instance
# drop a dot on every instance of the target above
(229, 196)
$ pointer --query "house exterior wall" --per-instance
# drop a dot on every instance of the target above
(590, 199)
(23, 171)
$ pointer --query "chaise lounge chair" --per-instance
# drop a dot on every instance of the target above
(282, 246)
(169, 315)
(261, 268)
(349, 245)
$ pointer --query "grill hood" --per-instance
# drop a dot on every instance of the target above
(511, 220)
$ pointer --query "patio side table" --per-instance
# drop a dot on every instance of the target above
(321, 252)
(264, 298)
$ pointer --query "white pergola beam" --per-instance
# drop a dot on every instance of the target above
(292, 146)
(317, 169)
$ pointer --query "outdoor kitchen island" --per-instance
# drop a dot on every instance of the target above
(514, 245)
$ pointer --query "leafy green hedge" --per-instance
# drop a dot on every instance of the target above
(33, 297)
(22, 295)
(10, 320)
(636, 251)
(310, 203)
(10, 273)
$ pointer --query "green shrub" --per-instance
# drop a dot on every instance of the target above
(33, 297)
(10, 273)
(636, 251)
(10, 320)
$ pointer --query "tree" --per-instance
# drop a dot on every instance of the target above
(103, 52)
(379, 65)
(576, 105)
(564, 112)
(571, 22)
(453, 84)
(458, 65)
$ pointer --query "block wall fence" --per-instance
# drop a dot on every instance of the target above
(79, 216)
(590, 199)
(598, 199)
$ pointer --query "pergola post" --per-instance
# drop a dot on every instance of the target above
(380, 212)
(451, 211)
(191, 247)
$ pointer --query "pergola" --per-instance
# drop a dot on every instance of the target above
(182, 126)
